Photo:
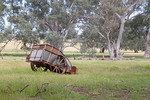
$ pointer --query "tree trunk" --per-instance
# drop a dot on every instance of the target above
(111, 50)
(111, 53)
(64, 39)
(102, 50)
(114, 50)
(135, 50)
(103, 57)
(120, 36)
(147, 51)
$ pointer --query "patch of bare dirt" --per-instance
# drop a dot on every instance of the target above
(121, 94)
(82, 90)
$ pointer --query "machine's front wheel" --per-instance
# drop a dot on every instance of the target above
(59, 65)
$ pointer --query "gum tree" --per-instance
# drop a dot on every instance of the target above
(147, 19)
(135, 32)
(113, 15)
(5, 33)
(21, 22)
(54, 17)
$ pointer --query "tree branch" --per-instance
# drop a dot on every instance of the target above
(129, 18)
(129, 8)
(1, 49)
(66, 33)
(72, 4)
(118, 15)
(49, 26)
(108, 33)
(70, 46)
(129, 12)
(102, 35)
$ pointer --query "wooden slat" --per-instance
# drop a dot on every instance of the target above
(49, 57)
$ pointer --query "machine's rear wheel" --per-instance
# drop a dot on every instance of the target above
(33, 67)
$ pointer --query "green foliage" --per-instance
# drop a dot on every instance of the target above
(92, 52)
(147, 7)
(147, 12)
(89, 40)
(58, 17)
(33, 20)
(25, 33)
(2, 23)
(83, 48)
(136, 31)
(54, 39)
(72, 33)
(6, 35)
(135, 37)
(106, 21)
(2, 7)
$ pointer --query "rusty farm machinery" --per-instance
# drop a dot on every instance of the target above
(45, 57)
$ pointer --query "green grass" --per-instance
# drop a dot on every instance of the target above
(95, 79)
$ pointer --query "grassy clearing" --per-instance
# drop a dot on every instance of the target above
(96, 79)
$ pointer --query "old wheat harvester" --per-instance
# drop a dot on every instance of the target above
(45, 57)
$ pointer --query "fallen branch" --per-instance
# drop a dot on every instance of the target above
(40, 90)
(25, 87)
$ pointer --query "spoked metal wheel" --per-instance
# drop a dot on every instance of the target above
(59, 65)
(35, 68)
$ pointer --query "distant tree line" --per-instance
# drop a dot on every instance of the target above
(104, 24)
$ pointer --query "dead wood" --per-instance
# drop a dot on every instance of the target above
(40, 90)
(25, 87)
